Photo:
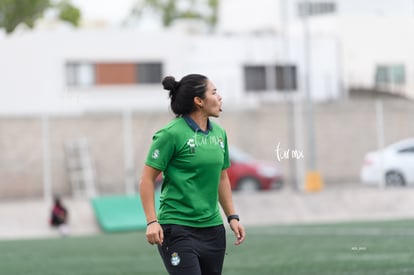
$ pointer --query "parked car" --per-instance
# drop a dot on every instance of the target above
(394, 165)
(249, 174)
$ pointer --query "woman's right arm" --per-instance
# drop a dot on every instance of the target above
(154, 232)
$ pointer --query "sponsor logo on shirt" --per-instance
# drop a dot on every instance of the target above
(156, 154)
(221, 143)
(200, 141)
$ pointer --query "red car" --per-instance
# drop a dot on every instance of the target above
(248, 174)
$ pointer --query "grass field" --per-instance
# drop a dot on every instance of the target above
(363, 248)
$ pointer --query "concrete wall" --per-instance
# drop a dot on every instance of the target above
(344, 132)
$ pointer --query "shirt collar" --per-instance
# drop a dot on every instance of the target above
(195, 126)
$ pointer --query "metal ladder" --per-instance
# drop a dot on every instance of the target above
(80, 168)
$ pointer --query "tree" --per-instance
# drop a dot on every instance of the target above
(171, 10)
(27, 12)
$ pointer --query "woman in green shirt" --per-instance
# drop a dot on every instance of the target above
(192, 153)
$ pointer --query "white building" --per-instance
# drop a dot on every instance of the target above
(375, 36)
(67, 71)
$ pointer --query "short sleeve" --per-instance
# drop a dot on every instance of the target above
(226, 163)
(161, 150)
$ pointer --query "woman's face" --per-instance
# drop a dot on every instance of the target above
(211, 104)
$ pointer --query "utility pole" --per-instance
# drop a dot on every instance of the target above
(313, 180)
(307, 88)
(290, 116)
(294, 121)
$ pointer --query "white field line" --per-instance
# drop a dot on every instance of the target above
(354, 231)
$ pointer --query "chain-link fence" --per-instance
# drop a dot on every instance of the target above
(34, 162)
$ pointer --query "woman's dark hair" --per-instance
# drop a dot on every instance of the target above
(183, 92)
(57, 201)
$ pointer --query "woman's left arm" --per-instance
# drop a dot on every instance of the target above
(226, 202)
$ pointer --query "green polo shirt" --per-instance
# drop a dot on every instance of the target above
(192, 161)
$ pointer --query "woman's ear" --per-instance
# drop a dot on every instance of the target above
(198, 102)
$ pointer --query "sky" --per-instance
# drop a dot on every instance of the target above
(113, 11)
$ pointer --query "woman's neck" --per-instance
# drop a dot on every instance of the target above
(200, 119)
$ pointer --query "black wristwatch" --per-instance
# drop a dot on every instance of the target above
(231, 217)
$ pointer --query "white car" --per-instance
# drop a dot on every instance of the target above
(394, 165)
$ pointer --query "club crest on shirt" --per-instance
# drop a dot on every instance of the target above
(175, 259)
(191, 144)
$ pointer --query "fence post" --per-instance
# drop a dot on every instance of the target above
(380, 138)
(47, 186)
(128, 152)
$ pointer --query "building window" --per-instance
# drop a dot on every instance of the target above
(316, 8)
(270, 78)
(149, 72)
(255, 78)
(390, 74)
(81, 74)
(286, 78)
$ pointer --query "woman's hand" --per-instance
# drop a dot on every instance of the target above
(238, 230)
(155, 234)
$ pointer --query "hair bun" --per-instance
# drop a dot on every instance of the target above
(169, 83)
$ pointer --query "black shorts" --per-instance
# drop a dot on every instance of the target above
(193, 251)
